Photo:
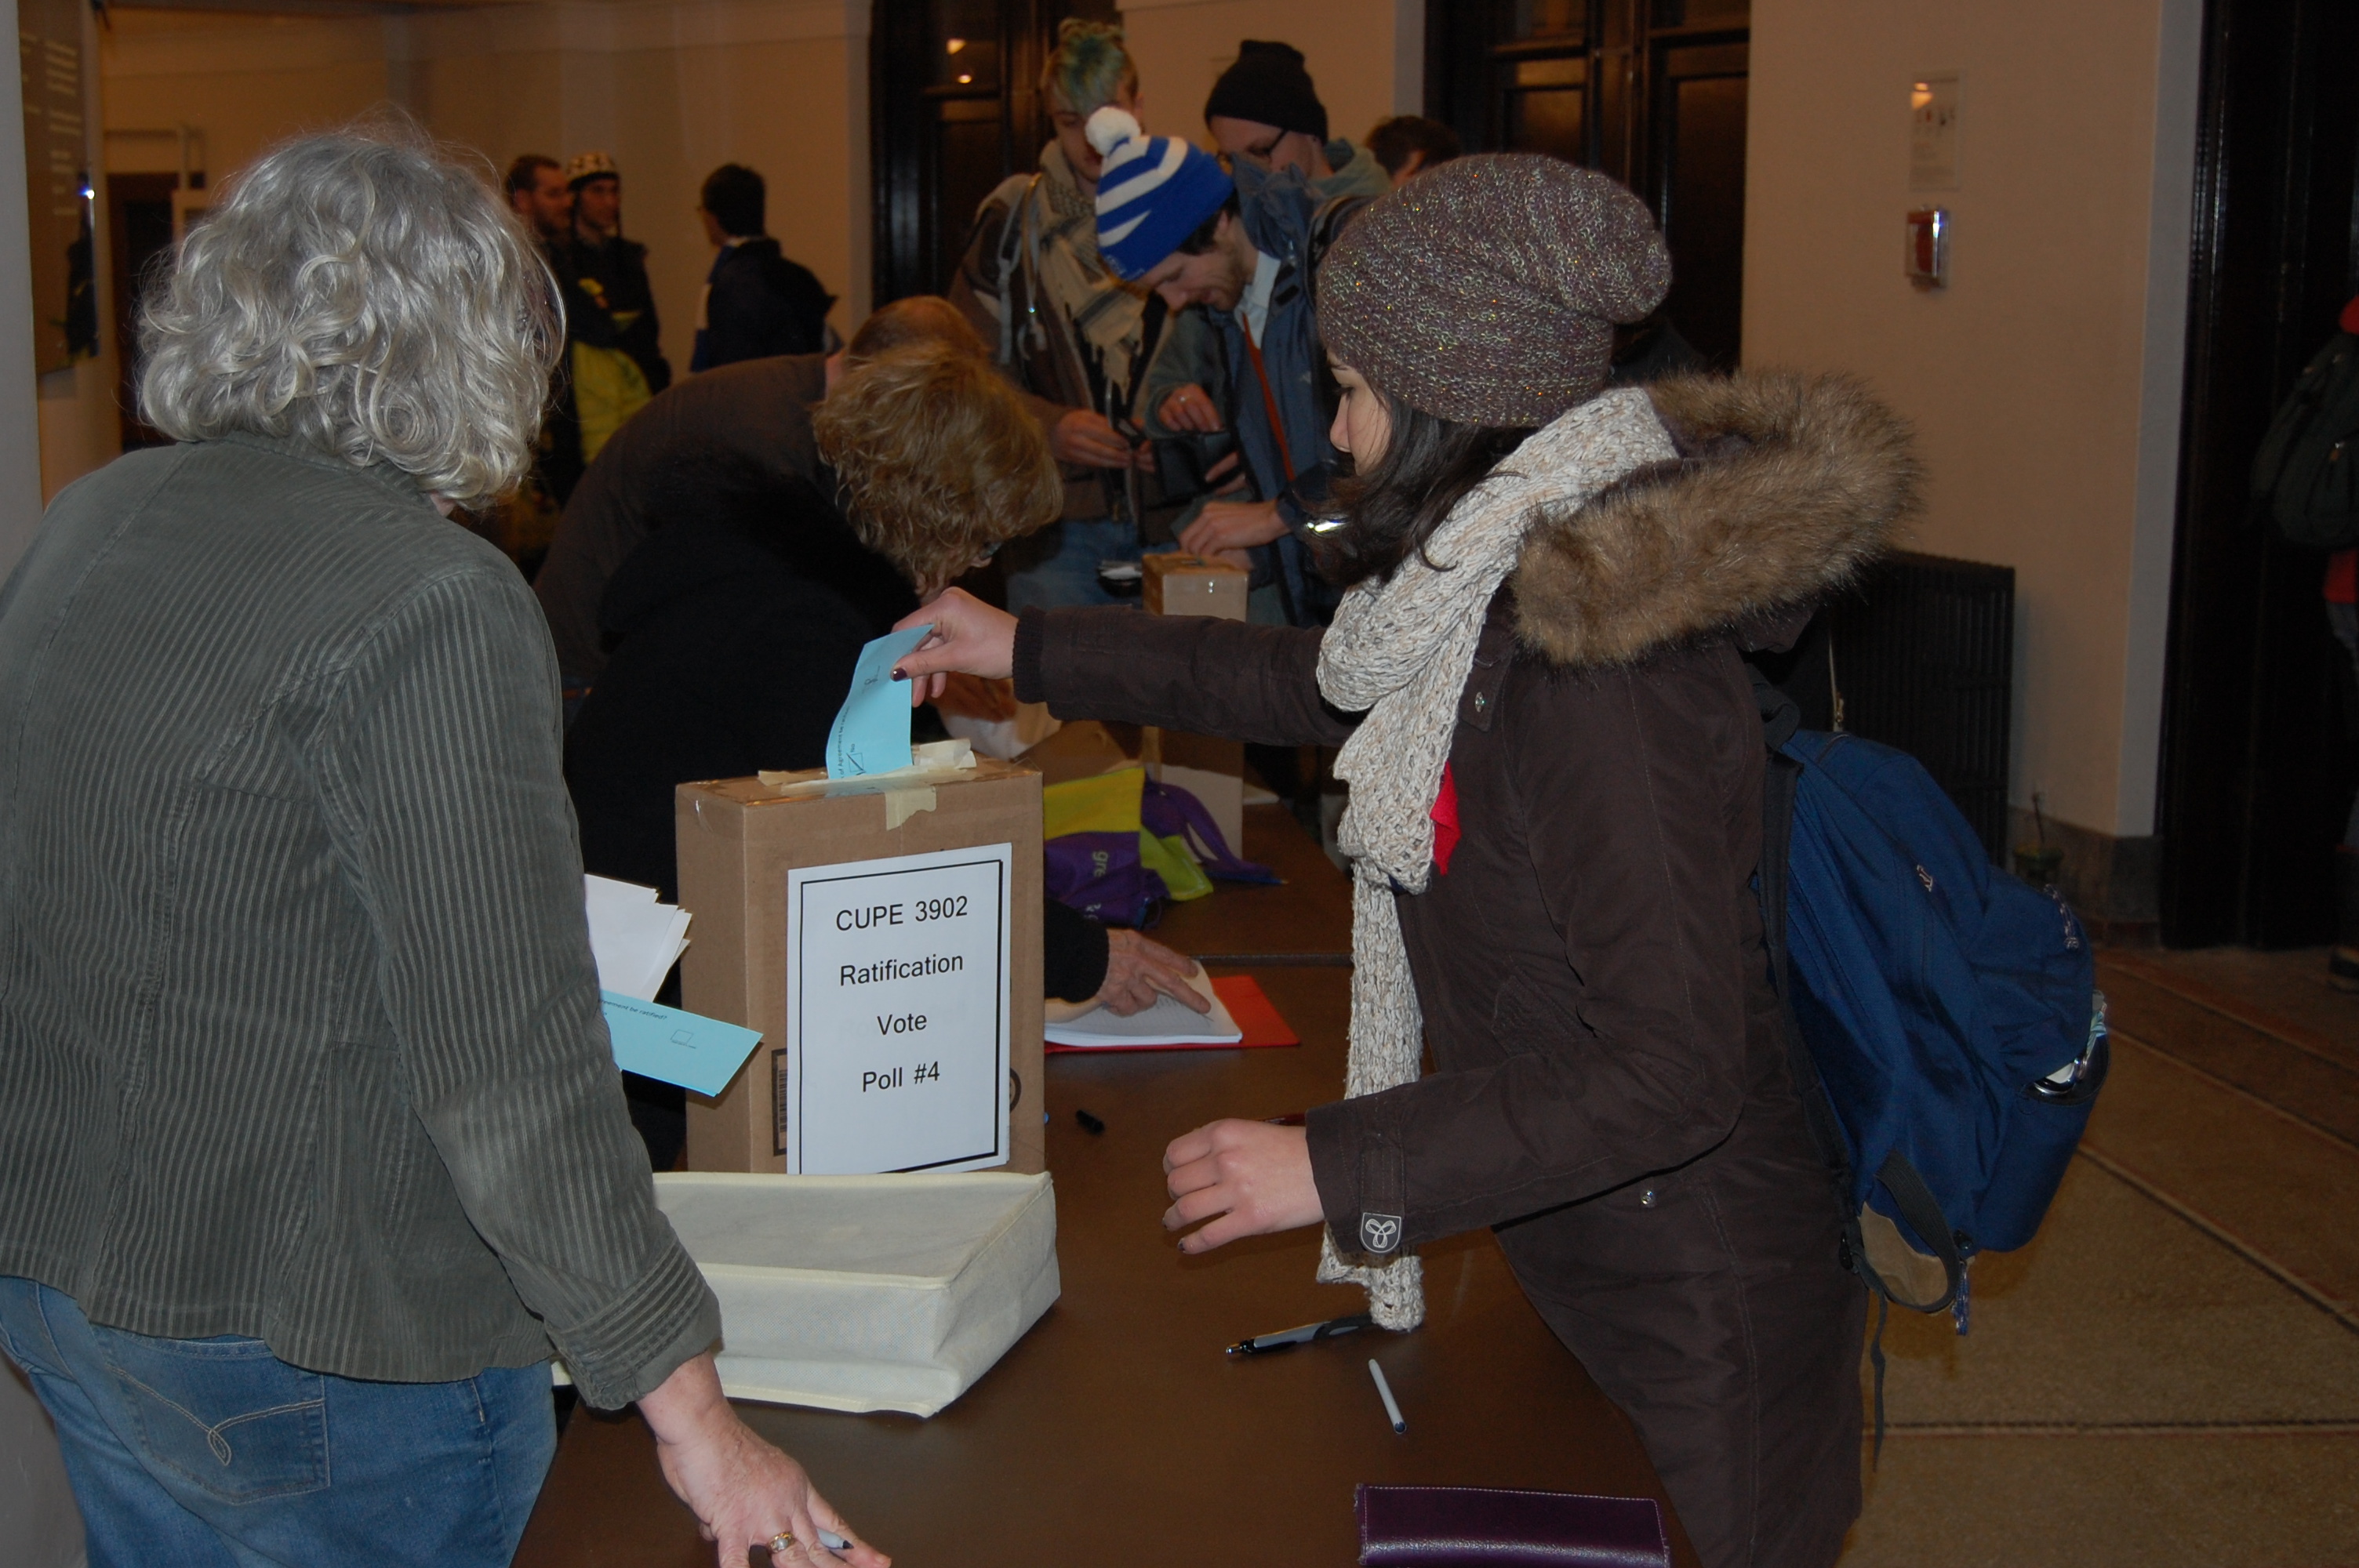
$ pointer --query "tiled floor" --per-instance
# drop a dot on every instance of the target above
(2169, 1373)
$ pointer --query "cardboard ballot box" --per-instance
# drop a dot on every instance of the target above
(1212, 770)
(866, 1292)
(884, 935)
(1182, 584)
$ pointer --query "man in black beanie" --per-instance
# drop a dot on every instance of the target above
(1264, 111)
(1264, 115)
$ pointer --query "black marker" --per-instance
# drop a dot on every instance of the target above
(1286, 1339)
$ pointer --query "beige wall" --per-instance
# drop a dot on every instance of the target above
(673, 92)
(2044, 382)
(671, 89)
(1366, 57)
(240, 83)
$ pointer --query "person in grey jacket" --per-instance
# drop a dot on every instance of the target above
(311, 1147)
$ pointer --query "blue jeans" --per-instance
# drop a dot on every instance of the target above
(1058, 565)
(215, 1453)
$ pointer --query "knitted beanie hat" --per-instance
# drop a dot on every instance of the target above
(1486, 291)
(587, 167)
(1269, 86)
(1152, 192)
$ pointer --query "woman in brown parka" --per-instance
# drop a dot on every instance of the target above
(1555, 761)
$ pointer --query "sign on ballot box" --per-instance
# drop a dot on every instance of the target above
(884, 935)
(896, 1013)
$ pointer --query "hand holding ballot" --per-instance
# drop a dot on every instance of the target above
(871, 732)
(966, 636)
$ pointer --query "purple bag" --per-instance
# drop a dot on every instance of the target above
(1100, 875)
(1168, 811)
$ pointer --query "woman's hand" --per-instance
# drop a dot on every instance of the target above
(1254, 1177)
(1138, 970)
(1190, 407)
(1225, 530)
(969, 636)
(743, 1492)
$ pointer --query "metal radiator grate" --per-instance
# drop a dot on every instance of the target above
(1924, 660)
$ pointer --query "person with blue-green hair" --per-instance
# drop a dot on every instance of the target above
(1070, 330)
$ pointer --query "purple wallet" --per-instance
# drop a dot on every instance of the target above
(1448, 1527)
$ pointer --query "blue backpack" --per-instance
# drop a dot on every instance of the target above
(1948, 1037)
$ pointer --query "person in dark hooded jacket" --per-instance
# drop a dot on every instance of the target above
(1556, 766)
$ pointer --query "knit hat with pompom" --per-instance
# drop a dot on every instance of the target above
(1152, 192)
(1486, 292)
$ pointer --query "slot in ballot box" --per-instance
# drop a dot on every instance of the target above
(1211, 769)
(884, 935)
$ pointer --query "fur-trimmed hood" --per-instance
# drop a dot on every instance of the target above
(1786, 486)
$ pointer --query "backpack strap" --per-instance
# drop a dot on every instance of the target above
(1918, 1205)
(1325, 224)
(1780, 778)
(1015, 193)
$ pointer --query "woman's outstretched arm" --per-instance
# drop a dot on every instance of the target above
(1195, 673)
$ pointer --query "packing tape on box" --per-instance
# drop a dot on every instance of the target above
(906, 791)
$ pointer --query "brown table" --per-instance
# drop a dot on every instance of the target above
(1117, 1432)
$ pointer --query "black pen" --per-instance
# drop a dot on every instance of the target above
(1286, 1339)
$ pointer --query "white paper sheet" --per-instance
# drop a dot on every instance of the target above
(635, 939)
(1165, 1023)
(898, 1012)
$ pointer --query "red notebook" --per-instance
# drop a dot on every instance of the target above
(1248, 1007)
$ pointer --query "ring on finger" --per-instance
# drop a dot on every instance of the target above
(782, 1543)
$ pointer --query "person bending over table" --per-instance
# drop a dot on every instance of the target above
(1556, 764)
(311, 1150)
(733, 629)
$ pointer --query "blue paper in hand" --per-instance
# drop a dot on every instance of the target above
(658, 1041)
(871, 732)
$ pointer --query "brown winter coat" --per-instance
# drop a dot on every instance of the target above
(1611, 1092)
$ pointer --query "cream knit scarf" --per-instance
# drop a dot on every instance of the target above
(1401, 652)
(1109, 314)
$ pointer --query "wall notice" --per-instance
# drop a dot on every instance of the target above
(1933, 132)
(896, 1013)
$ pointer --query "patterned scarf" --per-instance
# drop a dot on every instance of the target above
(1108, 314)
(1401, 652)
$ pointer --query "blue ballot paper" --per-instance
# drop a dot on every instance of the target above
(871, 732)
(658, 1041)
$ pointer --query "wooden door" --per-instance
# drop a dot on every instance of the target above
(139, 227)
(1650, 91)
(2257, 770)
(955, 110)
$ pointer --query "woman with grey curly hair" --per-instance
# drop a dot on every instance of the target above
(311, 1148)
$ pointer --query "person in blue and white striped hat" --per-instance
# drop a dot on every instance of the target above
(1154, 193)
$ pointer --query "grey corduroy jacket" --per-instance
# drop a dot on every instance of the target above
(299, 1031)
